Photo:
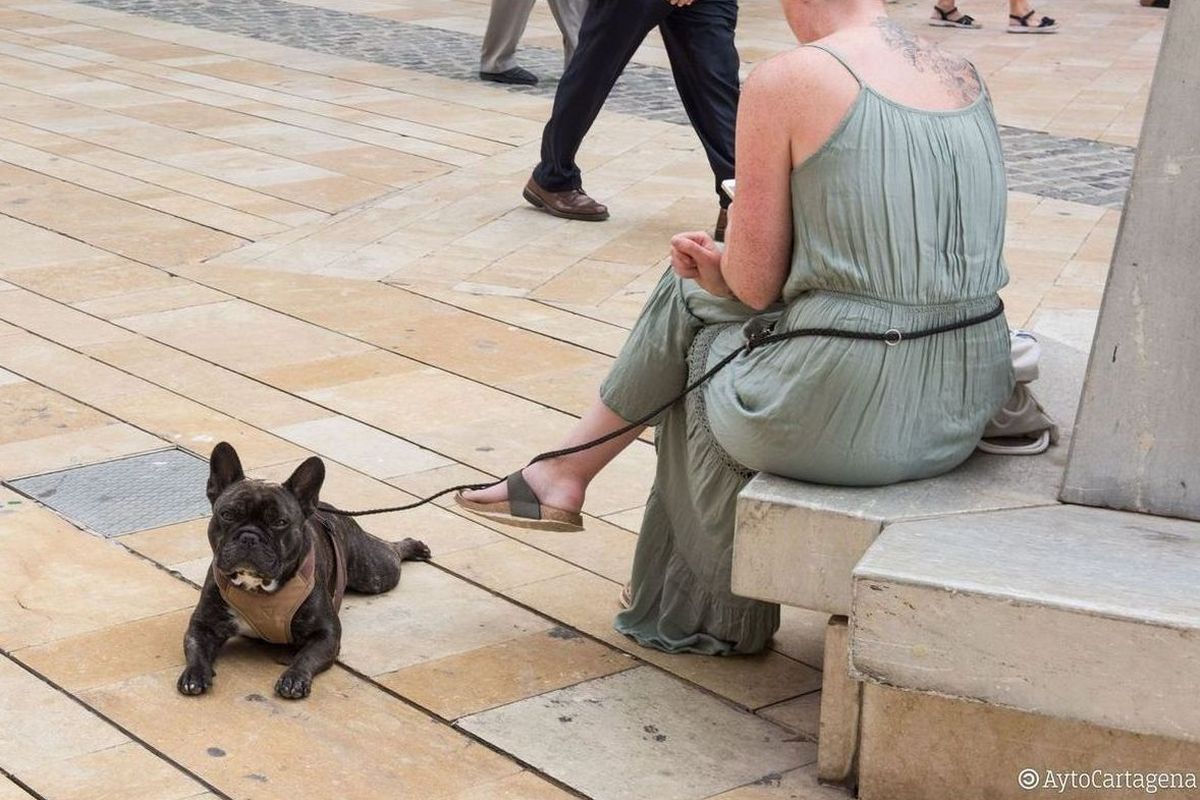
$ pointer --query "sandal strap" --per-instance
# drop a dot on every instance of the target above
(522, 502)
(1025, 19)
(946, 14)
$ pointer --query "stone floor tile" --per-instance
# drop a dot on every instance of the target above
(179, 294)
(324, 373)
(61, 582)
(522, 786)
(504, 565)
(42, 724)
(172, 544)
(503, 673)
(113, 654)
(671, 740)
(10, 791)
(348, 739)
(600, 548)
(801, 635)
(630, 519)
(589, 603)
(117, 773)
(216, 331)
(430, 615)
(432, 481)
(72, 449)
(29, 411)
(799, 784)
(361, 447)
(802, 715)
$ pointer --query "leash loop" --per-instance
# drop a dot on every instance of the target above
(758, 333)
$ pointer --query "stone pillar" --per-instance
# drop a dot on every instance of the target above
(1137, 439)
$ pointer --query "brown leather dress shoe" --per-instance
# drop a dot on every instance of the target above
(571, 204)
(722, 224)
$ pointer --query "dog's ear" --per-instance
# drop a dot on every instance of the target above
(224, 470)
(305, 483)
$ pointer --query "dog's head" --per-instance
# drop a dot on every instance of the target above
(257, 530)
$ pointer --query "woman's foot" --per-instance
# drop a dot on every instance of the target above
(1023, 19)
(947, 15)
(553, 486)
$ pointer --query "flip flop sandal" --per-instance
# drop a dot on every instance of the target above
(523, 509)
(1156, 3)
(626, 596)
(1021, 24)
(943, 20)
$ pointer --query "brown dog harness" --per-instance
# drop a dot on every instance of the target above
(270, 615)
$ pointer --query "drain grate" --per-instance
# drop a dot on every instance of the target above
(130, 494)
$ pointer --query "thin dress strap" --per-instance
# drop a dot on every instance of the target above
(840, 59)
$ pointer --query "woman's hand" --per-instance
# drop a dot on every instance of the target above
(696, 256)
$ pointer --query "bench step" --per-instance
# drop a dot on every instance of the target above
(1071, 612)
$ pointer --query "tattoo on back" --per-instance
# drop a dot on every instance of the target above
(955, 73)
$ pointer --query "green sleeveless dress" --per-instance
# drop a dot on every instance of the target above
(898, 223)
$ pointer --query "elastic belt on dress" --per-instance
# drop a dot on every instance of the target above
(756, 337)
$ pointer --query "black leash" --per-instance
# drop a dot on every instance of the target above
(754, 340)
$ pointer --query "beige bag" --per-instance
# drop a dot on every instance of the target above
(1021, 427)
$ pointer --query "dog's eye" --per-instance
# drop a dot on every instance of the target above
(226, 515)
(280, 523)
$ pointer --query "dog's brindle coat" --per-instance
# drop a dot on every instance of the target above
(260, 534)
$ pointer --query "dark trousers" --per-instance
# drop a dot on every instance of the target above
(699, 42)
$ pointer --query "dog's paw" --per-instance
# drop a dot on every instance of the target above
(413, 550)
(195, 680)
(294, 685)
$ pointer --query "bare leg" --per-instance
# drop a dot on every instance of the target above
(562, 482)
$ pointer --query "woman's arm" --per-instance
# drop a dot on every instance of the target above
(759, 240)
(754, 264)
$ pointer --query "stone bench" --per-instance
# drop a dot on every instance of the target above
(798, 544)
(1057, 638)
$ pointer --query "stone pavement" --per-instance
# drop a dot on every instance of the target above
(297, 226)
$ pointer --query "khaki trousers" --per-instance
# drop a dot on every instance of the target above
(507, 23)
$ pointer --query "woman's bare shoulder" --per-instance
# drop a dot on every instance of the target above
(954, 72)
(795, 76)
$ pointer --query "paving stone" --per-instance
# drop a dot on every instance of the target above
(799, 784)
(348, 739)
(1091, 172)
(589, 603)
(60, 582)
(114, 654)
(42, 724)
(362, 447)
(502, 673)
(117, 773)
(505, 565)
(10, 791)
(430, 615)
(671, 740)
(802, 715)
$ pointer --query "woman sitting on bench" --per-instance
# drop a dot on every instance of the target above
(870, 200)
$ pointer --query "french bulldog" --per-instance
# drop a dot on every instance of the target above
(281, 560)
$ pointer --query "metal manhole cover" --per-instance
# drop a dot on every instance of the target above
(130, 494)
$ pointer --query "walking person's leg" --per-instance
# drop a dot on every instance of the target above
(1022, 18)
(612, 32)
(700, 43)
(569, 16)
(506, 24)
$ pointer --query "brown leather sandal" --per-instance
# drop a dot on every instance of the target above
(523, 509)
